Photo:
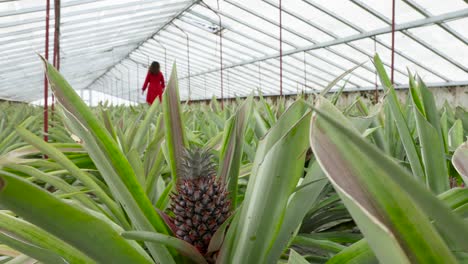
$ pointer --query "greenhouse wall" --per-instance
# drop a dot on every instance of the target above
(455, 96)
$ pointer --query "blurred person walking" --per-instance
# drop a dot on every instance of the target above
(154, 82)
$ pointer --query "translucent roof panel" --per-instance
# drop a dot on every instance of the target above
(95, 36)
(232, 47)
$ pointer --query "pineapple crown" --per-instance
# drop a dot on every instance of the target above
(196, 163)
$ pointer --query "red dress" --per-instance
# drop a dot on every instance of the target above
(156, 86)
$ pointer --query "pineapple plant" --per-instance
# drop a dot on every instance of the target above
(200, 203)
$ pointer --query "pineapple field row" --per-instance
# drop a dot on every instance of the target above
(252, 182)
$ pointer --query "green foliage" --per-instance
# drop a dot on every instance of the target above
(311, 181)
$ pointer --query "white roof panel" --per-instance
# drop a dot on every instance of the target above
(107, 45)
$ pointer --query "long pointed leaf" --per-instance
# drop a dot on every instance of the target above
(231, 152)
(387, 216)
(83, 231)
(109, 159)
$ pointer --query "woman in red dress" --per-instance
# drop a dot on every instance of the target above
(155, 79)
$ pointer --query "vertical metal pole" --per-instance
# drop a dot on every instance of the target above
(393, 40)
(121, 86)
(57, 9)
(46, 84)
(228, 86)
(260, 76)
(56, 60)
(204, 83)
(188, 60)
(128, 84)
(220, 32)
(188, 68)
(221, 56)
(281, 47)
(165, 56)
(112, 91)
(138, 83)
(116, 87)
(376, 89)
(305, 74)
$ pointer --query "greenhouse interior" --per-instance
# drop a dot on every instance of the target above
(233, 131)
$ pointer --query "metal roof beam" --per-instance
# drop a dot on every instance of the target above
(144, 4)
(413, 24)
(81, 45)
(233, 39)
(80, 29)
(245, 73)
(426, 13)
(414, 37)
(228, 60)
(190, 5)
(183, 66)
(259, 30)
(23, 11)
(299, 60)
(361, 30)
(303, 36)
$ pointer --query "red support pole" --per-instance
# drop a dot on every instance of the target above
(46, 84)
(56, 60)
(393, 40)
(281, 47)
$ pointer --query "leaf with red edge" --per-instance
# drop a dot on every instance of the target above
(167, 220)
(218, 238)
(183, 247)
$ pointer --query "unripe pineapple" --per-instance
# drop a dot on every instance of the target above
(200, 203)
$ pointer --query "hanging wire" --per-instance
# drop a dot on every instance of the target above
(228, 85)
(305, 74)
(375, 71)
(188, 60)
(165, 55)
(220, 33)
(204, 83)
(281, 46)
(220, 53)
(260, 76)
(138, 83)
(393, 41)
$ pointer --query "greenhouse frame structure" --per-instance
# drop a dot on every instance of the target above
(231, 48)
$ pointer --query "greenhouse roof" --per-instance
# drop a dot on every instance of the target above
(232, 46)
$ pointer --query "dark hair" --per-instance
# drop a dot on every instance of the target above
(154, 68)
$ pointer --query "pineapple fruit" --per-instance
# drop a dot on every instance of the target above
(200, 203)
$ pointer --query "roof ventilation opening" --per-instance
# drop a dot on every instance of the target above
(206, 25)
